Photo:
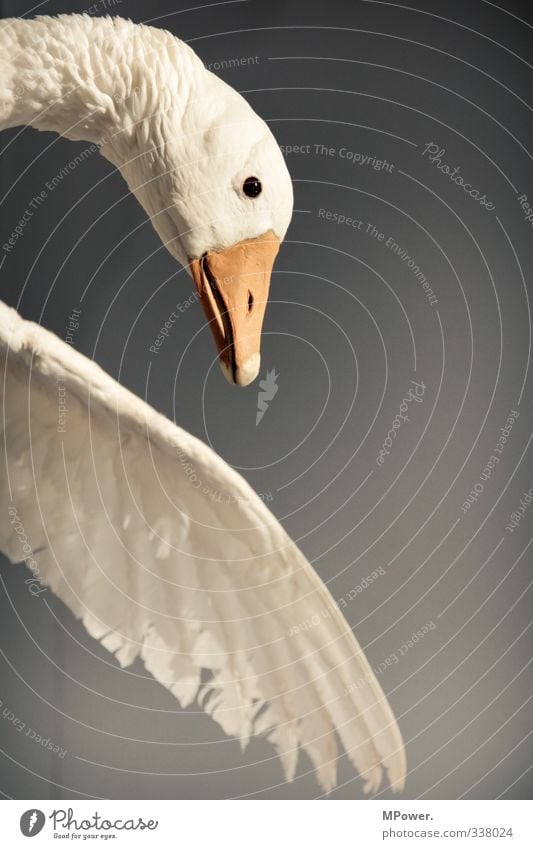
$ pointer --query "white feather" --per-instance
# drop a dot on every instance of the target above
(135, 546)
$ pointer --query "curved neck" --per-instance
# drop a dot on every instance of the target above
(90, 78)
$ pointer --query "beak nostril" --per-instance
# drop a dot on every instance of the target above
(250, 301)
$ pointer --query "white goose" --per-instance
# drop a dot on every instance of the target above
(115, 509)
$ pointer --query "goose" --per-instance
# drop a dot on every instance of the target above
(113, 510)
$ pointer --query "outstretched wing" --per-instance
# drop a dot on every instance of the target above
(163, 551)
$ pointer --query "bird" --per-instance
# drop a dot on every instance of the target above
(160, 548)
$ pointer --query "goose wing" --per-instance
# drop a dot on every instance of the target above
(164, 552)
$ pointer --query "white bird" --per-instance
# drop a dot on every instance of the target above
(159, 547)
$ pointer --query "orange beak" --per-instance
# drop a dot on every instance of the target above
(233, 287)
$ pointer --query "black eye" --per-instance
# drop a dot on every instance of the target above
(252, 187)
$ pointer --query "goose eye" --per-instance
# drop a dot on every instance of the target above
(252, 187)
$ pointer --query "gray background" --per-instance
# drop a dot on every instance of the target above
(348, 327)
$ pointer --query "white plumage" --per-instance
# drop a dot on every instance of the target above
(156, 544)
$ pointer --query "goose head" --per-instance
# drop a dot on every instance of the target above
(219, 194)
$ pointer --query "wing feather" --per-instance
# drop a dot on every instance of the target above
(165, 552)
